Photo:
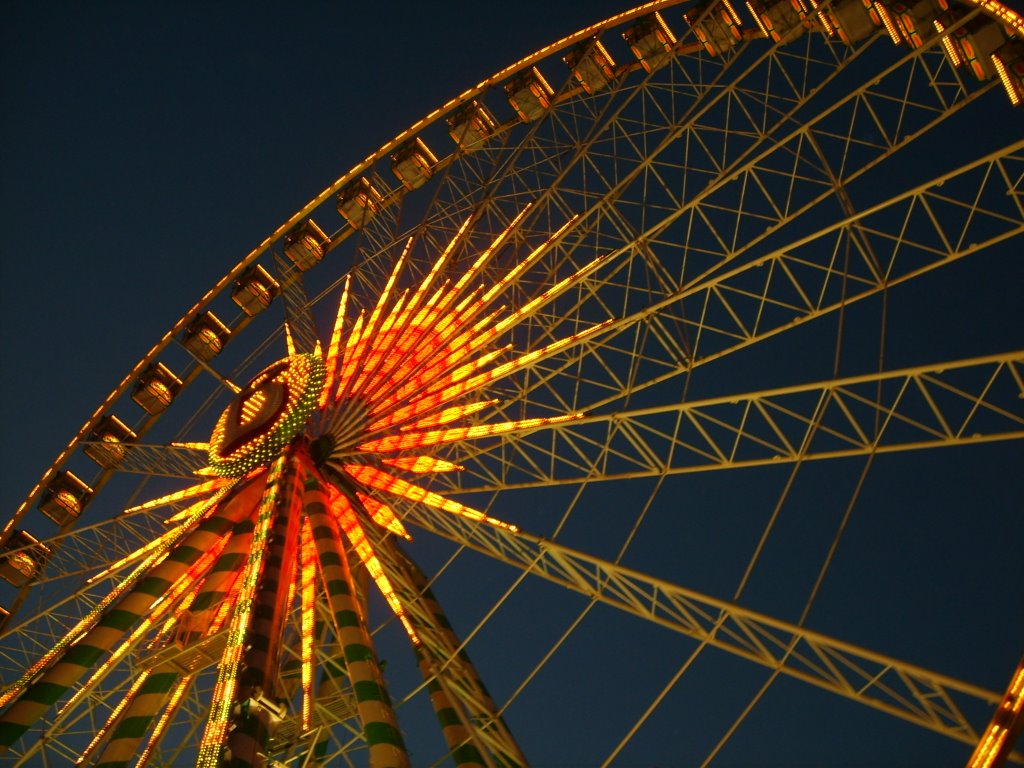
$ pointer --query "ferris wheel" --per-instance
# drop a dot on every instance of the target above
(619, 411)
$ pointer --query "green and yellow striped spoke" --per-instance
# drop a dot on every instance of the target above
(273, 497)
(380, 726)
(457, 691)
(131, 610)
(134, 723)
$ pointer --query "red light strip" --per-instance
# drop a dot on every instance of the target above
(419, 396)
(187, 493)
(224, 690)
(349, 365)
(307, 598)
(467, 309)
(438, 437)
(535, 255)
(334, 348)
(385, 295)
(440, 262)
(450, 414)
(426, 374)
(453, 391)
(553, 292)
(444, 372)
(464, 371)
(384, 482)
(383, 516)
(404, 319)
(453, 342)
(488, 252)
(422, 464)
(410, 340)
(376, 353)
(342, 509)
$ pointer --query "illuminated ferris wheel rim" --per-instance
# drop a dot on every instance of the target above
(992, 8)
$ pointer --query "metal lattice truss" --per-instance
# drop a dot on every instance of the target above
(300, 322)
(920, 696)
(950, 404)
(160, 460)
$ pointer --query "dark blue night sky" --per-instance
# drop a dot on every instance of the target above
(146, 148)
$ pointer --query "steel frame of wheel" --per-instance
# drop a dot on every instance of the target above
(735, 203)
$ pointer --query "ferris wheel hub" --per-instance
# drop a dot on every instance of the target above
(266, 415)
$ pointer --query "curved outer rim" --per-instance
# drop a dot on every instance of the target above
(992, 8)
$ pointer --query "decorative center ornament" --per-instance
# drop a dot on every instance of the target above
(266, 415)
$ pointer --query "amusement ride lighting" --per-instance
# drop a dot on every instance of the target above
(349, 426)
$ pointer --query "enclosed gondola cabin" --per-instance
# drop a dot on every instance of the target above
(359, 202)
(306, 245)
(651, 41)
(107, 442)
(64, 498)
(254, 290)
(206, 336)
(413, 163)
(22, 558)
(529, 94)
(591, 65)
(156, 388)
(470, 124)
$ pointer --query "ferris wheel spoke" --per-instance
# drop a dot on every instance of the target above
(796, 283)
(723, 171)
(802, 281)
(618, 133)
(300, 326)
(708, 211)
(470, 720)
(942, 405)
(925, 698)
(576, 137)
(157, 460)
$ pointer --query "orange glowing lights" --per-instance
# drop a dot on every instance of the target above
(383, 516)
(199, 489)
(456, 434)
(422, 464)
(342, 509)
(414, 364)
(307, 596)
(1007, 723)
(404, 375)
(382, 481)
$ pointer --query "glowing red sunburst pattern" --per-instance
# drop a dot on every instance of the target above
(356, 424)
